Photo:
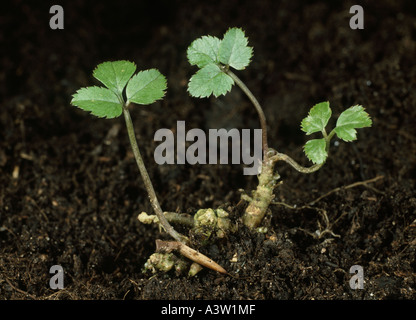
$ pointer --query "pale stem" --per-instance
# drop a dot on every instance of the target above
(147, 183)
(257, 106)
(284, 157)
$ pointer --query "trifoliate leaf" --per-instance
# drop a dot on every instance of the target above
(203, 51)
(209, 80)
(146, 87)
(101, 102)
(115, 75)
(233, 49)
(353, 118)
(315, 150)
(317, 118)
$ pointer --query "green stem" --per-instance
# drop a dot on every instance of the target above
(146, 179)
(284, 157)
(172, 217)
(263, 195)
(180, 218)
(257, 106)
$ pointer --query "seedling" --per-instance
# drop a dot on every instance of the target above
(215, 58)
(121, 89)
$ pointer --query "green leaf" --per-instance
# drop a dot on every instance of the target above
(317, 118)
(146, 87)
(101, 102)
(315, 150)
(115, 75)
(233, 50)
(209, 80)
(353, 118)
(203, 51)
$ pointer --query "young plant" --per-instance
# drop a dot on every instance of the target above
(121, 89)
(215, 58)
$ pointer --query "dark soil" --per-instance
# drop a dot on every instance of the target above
(70, 191)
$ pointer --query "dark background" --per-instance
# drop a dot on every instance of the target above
(70, 191)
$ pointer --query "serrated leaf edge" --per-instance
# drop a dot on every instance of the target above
(92, 111)
(308, 153)
(191, 46)
(114, 70)
(211, 91)
(367, 118)
(247, 46)
(309, 116)
(141, 72)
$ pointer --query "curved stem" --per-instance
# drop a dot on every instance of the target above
(281, 156)
(146, 179)
(277, 156)
(257, 106)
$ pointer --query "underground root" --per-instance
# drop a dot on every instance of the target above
(262, 197)
(188, 252)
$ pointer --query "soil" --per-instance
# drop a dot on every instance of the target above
(70, 191)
